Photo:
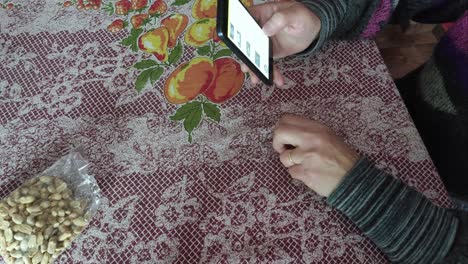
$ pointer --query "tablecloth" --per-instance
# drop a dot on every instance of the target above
(187, 172)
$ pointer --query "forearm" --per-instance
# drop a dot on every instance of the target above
(346, 19)
(406, 226)
(351, 19)
(330, 13)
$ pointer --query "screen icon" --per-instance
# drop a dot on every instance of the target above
(231, 30)
(257, 59)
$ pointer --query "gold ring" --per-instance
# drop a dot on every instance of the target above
(290, 158)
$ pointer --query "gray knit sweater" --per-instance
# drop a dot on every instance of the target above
(406, 226)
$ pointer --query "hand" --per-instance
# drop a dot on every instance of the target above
(291, 26)
(320, 159)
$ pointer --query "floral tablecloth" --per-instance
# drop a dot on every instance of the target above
(179, 140)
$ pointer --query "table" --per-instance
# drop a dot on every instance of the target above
(65, 80)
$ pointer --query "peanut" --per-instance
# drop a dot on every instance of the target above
(36, 259)
(55, 196)
(26, 199)
(4, 224)
(79, 221)
(13, 246)
(8, 235)
(16, 254)
(17, 219)
(3, 212)
(18, 237)
(39, 239)
(61, 187)
(46, 179)
(64, 236)
(23, 229)
(32, 241)
(24, 245)
(51, 247)
(45, 259)
(30, 220)
(26, 260)
(39, 220)
(40, 224)
(33, 209)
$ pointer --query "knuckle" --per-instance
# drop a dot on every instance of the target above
(280, 18)
(310, 157)
(321, 140)
(276, 133)
(309, 137)
(279, 131)
(284, 118)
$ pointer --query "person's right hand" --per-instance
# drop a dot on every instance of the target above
(319, 158)
(291, 26)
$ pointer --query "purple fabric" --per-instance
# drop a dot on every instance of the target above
(452, 54)
(381, 14)
(459, 34)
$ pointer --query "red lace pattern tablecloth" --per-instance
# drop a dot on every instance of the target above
(65, 80)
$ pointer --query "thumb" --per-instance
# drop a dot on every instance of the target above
(277, 22)
(297, 172)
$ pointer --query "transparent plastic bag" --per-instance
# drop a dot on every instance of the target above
(41, 218)
(73, 170)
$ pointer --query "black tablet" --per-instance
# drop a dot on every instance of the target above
(244, 36)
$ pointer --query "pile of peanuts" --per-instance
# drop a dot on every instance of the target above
(39, 220)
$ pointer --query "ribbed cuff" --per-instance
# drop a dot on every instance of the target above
(406, 226)
(329, 13)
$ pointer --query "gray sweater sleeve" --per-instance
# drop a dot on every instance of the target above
(406, 226)
(340, 19)
(349, 19)
(330, 14)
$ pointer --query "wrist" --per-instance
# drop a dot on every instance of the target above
(325, 26)
(355, 168)
(317, 25)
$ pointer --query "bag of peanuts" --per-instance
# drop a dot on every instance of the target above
(41, 218)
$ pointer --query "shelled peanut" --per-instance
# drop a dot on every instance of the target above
(39, 220)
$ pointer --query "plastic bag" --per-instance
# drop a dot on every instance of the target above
(73, 169)
(40, 219)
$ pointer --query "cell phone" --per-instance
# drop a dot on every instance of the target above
(244, 36)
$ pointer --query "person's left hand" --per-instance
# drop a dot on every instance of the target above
(319, 158)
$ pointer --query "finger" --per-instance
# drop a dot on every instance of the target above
(291, 157)
(253, 78)
(286, 158)
(297, 172)
(263, 12)
(281, 19)
(275, 24)
(301, 121)
(244, 68)
(278, 78)
(286, 135)
(296, 120)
